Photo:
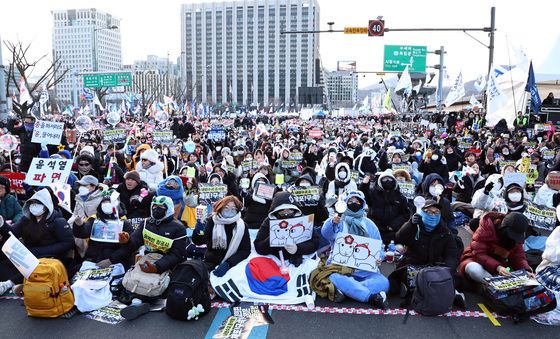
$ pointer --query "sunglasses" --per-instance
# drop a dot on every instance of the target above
(84, 164)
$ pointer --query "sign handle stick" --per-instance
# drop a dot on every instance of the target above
(11, 165)
(77, 145)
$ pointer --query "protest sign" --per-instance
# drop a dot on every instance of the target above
(47, 132)
(20, 256)
(114, 136)
(162, 137)
(532, 174)
(515, 178)
(540, 216)
(106, 231)
(407, 168)
(355, 175)
(110, 314)
(43, 172)
(136, 222)
(407, 189)
(16, 181)
(209, 194)
(279, 179)
(548, 154)
(265, 191)
(296, 156)
(201, 212)
(515, 280)
(291, 231)
(306, 196)
(217, 134)
(288, 164)
(315, 133)
(244, 317)
(71, 136)
(248, 165)
(358, 252)
(554, 180)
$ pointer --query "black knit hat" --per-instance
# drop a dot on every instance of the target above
(5, 182)
(515, 225)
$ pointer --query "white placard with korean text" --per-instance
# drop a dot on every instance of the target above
(43, 172)
(47, 132)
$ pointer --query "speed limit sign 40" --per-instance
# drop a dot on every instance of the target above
(376, 27)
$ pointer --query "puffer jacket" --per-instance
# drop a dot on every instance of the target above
(152, 175)
(88, 207)
(485, 249)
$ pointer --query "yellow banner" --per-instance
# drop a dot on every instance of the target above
(355, 30)
(156, 242)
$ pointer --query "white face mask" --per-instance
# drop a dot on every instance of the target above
(436, 190)
(435, 157)
(36, 209)
(82, 190)
(515, 196)
(107, 208)
(342, 175)
(305, 184)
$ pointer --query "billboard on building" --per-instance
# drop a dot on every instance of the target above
(349, 66)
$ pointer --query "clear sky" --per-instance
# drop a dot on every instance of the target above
(153, 27)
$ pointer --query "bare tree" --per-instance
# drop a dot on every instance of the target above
(23, 67)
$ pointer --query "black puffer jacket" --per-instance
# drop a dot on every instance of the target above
(131, 201)
(168, 228)
(97, 250)
(438, 247)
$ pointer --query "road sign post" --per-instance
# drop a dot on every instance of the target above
(396, 58)
(107, 80)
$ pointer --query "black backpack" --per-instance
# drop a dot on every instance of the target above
(188, 288)
(434, 291)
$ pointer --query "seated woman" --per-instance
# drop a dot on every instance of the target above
(283, 208)
(428, 242)
(98, 251)
(169, 232)
(360, 285)
(256, 208)
(226, 236)
(42, 230)
(496, 247)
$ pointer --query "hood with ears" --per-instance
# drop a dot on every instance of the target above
(343, 166)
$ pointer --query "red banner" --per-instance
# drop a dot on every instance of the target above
(16, 181)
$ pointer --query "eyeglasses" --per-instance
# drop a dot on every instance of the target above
(432, 213)
(84, 164)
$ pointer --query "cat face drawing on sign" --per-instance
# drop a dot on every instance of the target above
(281, 233)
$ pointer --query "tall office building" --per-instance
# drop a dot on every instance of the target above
(342, 88)
(86, 40)
(233, 51)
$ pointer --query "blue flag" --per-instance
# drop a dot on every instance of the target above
(532, 88)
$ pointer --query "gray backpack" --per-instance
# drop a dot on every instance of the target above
(434, 292)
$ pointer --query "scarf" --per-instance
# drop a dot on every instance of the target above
(354, 222)
(175, 194)
(219, 238)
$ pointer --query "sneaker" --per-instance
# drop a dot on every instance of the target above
(377, 300)
(338, 296)
(459, 301)
(134, 311)
(5, 286)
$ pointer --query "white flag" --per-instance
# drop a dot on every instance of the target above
(20, 256)
(366, 101)
(418, 87)
(474, 103)
(480, 83)
(44, 95)
(495, 99)
(457, 91)
(24, 93)
(404, 82)
(97, 102)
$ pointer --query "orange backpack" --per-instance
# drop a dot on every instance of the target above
(46, 293)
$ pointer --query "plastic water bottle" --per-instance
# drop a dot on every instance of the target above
(390, 254)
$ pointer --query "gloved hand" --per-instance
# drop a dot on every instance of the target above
(104, 263)
(221, 269)
(488, 188)
(148, 267)
(78, 221)
(416, 218)
(291, 248)
(124, 238)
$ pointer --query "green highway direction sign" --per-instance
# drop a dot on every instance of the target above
(396, 58)
(107, 80)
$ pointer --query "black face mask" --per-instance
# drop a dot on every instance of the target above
(354, 207)
(158, 213)
(388, 185)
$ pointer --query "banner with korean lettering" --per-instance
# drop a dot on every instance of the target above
(540, 216)
(20, 256)
(306, 196)
(209, 194)
(47, 132)
(43, 172)
(16, 181)
(114, 136)
(162, 138)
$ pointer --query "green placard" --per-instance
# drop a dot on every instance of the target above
(107, 80)
(397, 57)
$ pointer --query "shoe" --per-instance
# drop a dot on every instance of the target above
(338, 296)
(5, 286)
(70, 314)
(459, 301)
(377, 300)
(403, 290)
(134, 311)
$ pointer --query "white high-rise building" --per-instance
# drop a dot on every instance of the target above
(86, 40)
(342, 88)
(233, 51)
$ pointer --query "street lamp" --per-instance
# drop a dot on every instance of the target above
(95, 43)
